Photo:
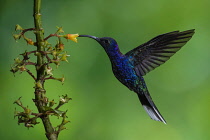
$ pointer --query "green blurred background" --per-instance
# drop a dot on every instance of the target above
(102, 108)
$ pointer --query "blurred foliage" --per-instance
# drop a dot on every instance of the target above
(102, 108)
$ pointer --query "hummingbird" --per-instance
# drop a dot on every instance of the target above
(129, 68)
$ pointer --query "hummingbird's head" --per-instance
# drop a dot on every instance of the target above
(107, 43)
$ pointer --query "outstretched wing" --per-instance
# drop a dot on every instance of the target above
(158, 50)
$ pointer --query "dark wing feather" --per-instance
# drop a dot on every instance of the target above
(158, 50)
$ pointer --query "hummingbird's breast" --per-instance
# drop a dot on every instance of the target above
(125, 73)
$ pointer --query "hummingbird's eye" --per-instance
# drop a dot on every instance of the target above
(106, 41)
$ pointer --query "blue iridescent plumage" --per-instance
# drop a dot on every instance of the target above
(130, 67)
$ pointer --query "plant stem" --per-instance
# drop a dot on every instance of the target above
(40, 98)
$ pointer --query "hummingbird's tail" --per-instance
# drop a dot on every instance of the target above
(150, 107)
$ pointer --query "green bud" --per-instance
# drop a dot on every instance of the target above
(62, 127)
(49, 70)
(55, 54)
(38, 84)
(21, 120)
(64, 57)
(16, 36)
(16, 113)
(37, 53)
(28, 125)
(47, 44)
(65, 121)
(22, 68)
(17, 60)
(58, 112)
(18, 102)
(60, 30)
(64, 99)
(59, 47)
(28, 111)
(18, 27)
(49, 49)
(14, 69)
(33, 121)
(46, 108)
(57, 63)
(61, 79)
(51, 103)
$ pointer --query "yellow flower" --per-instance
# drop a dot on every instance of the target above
(72, 37)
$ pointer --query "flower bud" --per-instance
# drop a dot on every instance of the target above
(30, 42)
(38, 85)
(17, 36)
(61, 79)
(22, 68)
(64, 99)
(60, 30)
(18, 102)
(65, 122)
(14, 69)
(64, 57)
(27, 111)
(18, 27)
(62, 127)
(49, 70)
(51, 103)
(61, 46)
(17, 60)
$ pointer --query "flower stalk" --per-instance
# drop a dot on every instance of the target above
(46, 54)
(39, 90)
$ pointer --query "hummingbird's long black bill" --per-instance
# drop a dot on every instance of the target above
(93, 37)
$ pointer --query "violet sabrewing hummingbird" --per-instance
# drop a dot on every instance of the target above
(130, 68)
